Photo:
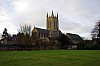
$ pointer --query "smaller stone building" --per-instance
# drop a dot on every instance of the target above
(75, 40)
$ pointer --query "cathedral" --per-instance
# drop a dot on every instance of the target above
(52, 28)
(42, 39)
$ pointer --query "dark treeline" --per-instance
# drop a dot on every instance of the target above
(24, 40)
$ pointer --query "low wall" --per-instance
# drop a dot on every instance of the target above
(29, 47)
(40, 47)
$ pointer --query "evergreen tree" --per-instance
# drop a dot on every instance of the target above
(5, 34)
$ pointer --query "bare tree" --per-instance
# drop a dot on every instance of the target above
(26, 29)
(96, 31)
(24, 34)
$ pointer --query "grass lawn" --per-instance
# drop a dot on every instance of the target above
(50, 58)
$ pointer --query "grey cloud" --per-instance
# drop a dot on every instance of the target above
(76, 16)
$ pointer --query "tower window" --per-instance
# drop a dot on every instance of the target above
(50, 24)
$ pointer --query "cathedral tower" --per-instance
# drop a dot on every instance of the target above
(52, 25)
(52, 22)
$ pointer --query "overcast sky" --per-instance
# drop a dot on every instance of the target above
(75, 16)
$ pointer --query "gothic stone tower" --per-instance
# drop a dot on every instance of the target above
(52, 25)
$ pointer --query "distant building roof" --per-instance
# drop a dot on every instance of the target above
(74, 37)
(41, 30)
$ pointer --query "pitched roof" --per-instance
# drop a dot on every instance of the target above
(42, 30)
(74, 37)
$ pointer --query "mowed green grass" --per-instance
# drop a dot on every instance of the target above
(50, 58)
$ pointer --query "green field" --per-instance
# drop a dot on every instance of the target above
(50, 58)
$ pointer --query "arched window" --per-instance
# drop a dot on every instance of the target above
(50, 24)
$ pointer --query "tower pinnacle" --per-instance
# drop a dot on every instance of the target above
(52, 13)
(57, 14)
(47, 14)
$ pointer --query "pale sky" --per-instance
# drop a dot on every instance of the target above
(75, 16)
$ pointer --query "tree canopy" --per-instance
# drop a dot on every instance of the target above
(96, 31)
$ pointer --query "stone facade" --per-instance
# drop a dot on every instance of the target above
(52, 28)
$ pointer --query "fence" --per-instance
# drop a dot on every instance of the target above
(40, 47)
